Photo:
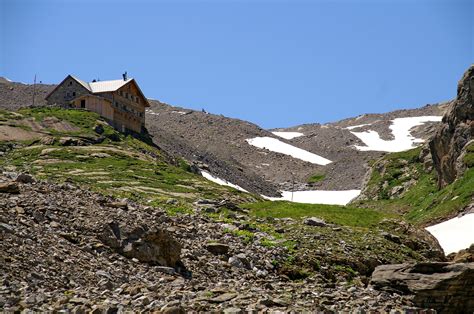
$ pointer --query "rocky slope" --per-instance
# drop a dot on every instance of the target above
(218, 144)
(70, 241)
(65, 248)
(17, 95)
(448, 146)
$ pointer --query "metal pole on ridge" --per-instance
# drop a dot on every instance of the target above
(34, 90)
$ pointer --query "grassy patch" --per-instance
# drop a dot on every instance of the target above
(469, 157)
(421, 202)
(316, 178)
(342, 215)
(246, 235)
(122, 166)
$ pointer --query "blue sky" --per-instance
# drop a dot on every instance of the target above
(275, 63)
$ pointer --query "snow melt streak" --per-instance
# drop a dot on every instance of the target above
(401, 132)
(219, 181)
(278, 146)
(454, 234)
(288, 135)
(318, 197)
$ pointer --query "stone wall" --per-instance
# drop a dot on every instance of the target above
(66, 92)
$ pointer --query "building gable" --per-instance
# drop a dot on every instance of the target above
(67, 90)
(132, 91)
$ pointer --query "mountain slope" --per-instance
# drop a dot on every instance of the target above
(222, 142)
(17, 95)
(109, 223)
(220, 145)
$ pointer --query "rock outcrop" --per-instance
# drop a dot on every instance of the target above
(445, 287)
(148, 245)
(457, 130)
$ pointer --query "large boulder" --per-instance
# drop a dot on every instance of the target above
(149, 245)
(445, 287)
(456, 131)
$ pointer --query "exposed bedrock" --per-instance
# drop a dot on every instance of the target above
(456, 131)
(445, 287)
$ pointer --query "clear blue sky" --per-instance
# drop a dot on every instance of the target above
(276, 63)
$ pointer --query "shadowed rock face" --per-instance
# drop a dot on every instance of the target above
(457, 130)
(445, 287)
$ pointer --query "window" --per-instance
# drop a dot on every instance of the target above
(83, 103)
(70, 83)
(73, 94)
(121, 93)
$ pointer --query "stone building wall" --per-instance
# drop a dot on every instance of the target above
(66, 92)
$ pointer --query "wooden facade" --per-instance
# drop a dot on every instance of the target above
(120, 102)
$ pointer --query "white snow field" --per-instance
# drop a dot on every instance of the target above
(401, 132)
(288, 135)
(455, 234)
(219, 181)
(317, 197)
(278, 146)
(357, 126)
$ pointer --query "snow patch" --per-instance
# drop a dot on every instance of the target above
(357, 126)
(288, 135)
(152, 112)
(219, 181)
(455, 234)
(179, 112)
(317, 197)
(401, 131)
(278, 146)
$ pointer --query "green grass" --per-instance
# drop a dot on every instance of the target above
(132, 169)
(6, 115)
(422, 202)
(316, 178)
(118, 174)
(341, 215)
(80, 118)
(469, 157)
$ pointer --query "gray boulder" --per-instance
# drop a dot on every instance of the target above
(445, 287)
(315, 221)
(148, 245)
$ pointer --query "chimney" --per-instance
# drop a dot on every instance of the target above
(124, 76)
